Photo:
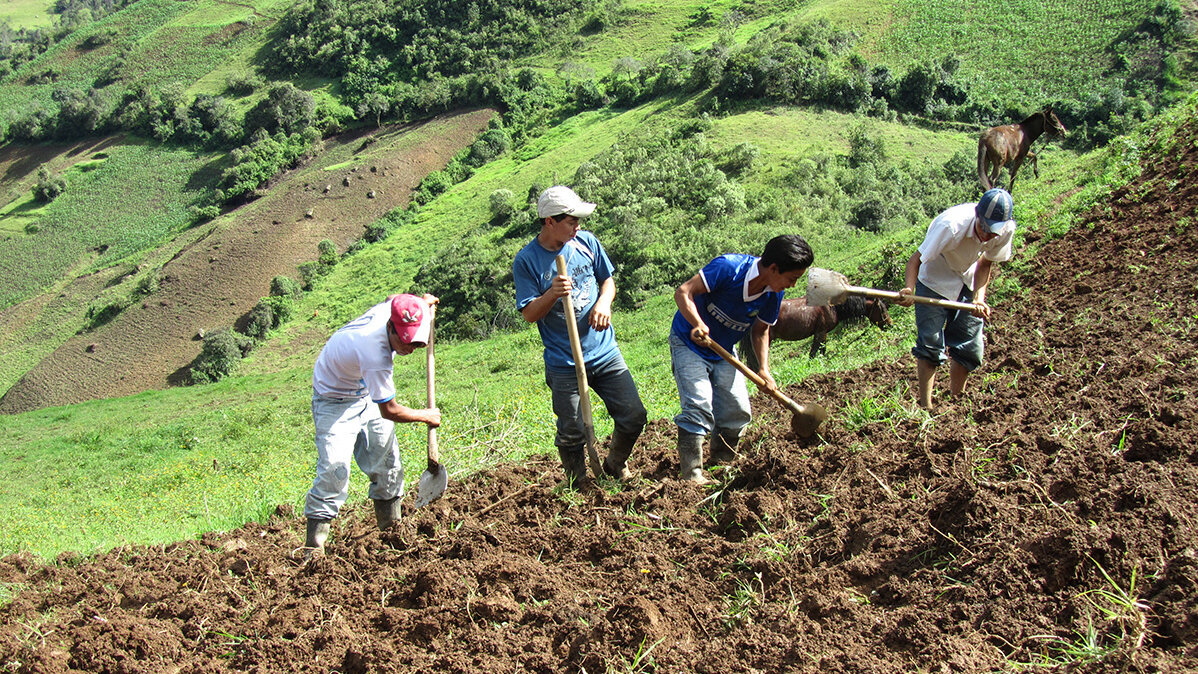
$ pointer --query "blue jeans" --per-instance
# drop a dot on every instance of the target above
(938, 327)
(351, 428)
(613, 382)
(712, 392)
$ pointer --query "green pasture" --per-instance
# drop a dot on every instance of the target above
(164, 44)
(26, 13)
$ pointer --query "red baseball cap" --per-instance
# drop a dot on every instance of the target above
(411, 319)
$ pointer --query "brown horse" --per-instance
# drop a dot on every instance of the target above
(1010, 144)
(798, 321)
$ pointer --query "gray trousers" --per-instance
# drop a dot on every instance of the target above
(351, 428)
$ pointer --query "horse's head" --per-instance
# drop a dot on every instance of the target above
(876, 312)
(1052, 125)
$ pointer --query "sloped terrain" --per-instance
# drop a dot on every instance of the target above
(1049, 516)
(223, 270)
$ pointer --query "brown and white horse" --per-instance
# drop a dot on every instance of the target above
(798, 321)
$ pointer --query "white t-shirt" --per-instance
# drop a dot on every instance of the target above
(949, 254)
(358, 359)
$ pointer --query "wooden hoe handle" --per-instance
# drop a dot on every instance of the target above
(434, 457)
(894, 296)
(580, 369)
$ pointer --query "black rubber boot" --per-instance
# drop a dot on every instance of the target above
(616, 463)
(574, 464)
(723, 446)
(690, 457)
(386, 512)
(317, 534)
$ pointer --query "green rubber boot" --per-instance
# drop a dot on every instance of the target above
(690, 457)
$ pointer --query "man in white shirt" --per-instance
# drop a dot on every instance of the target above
(355, 412)
(954, 262)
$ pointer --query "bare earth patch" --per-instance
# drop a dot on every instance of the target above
(965, 543)
(228, 264)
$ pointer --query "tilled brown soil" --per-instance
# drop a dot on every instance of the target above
(1049, 516)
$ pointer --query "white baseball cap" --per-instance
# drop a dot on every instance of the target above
(561, 200)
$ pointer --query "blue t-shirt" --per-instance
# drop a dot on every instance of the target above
(588, 266)
(726, 307)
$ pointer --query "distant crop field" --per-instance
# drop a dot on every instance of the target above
(163, 44)
(1045, 48)
(123, 206)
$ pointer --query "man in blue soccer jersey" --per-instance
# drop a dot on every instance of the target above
(732, 295)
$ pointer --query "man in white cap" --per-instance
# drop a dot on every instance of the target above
(955, 262)
(355, 411)
(539, 289)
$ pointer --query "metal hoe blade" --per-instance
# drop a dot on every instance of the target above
(432, 484)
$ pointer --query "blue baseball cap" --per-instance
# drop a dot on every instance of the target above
(994, 209)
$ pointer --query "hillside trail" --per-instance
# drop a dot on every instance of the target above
(224, 267)
(1000, 530)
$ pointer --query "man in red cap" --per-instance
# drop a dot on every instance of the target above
(355, 412)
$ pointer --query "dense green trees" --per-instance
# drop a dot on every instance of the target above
(659, 194)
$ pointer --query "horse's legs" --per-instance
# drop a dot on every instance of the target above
(819, 344)
(997, 168)
(1035, 164)
(1014, 169)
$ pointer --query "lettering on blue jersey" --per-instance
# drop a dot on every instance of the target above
(724, 319)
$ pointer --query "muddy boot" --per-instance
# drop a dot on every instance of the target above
(574, 463)
(690, 457)
(386, 512)
(317, 534)
(723, 446)
(616, 463)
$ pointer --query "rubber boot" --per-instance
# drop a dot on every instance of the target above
(386, 512)
(616, 463)
(690, 457)
(574, 463)
(723, 446)
(317, 534)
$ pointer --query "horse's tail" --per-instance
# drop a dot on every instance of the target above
(747, 354)
(982, 177)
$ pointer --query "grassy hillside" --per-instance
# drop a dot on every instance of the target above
(97, 222)
(202, 458)
(164, 465)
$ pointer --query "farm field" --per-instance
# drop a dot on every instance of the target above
(1044, 520)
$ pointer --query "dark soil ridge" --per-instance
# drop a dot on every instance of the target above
(966, 543)
(221, 273)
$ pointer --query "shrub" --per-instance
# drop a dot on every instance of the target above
(219, 355)
(501, 204)
(286, 108)
(99, 314)
(48, 187)
(327, 254)
(243, 83)
(285, 286)
(204, 213)
(260, 321)
(149, 283)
